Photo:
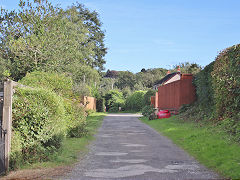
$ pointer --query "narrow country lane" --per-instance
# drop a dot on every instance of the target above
(127, 149)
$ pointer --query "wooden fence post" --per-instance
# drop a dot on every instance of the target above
(7, 118)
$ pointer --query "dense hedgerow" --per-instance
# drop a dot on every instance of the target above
(59, 83)
(135, 101)
(218, 92)
(204, 89)
(226, 82)
(44, 113)
(39, 124)
(76, 119)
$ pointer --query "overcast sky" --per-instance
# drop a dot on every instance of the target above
(162, 33)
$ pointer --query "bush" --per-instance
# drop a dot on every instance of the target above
(38, 119)
(114, 100)
(76, 118)
(135, 102)
(43, 116)
(148, 110)
(113, 109)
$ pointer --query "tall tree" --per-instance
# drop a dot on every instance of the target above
(43, 37)
(125, 79)
(96, 35)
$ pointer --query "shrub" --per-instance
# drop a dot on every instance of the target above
(114, 100)
(76, 118)
(43, 116)
(148, 110)
(135, 101)
(38, 121)
(113, 109)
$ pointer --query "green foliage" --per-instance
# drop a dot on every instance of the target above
(187, 67)
(100, 106)
(38, 118)
(149, 76)
(114, 100)
(126, 92)
(106, 85)
(85, 74)
(218, 92)
(41, 37)
(125, 79)
(4, 68)
(148, 110)
(128, 81)
(43, 115)
(76, 119)
(204, 90)
(147, 96)
(226, 82)
(59, 83)
(72, 148)
(16, 155)
(135, 101)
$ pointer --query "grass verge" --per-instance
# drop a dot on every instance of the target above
(72, 148)
(208, 144)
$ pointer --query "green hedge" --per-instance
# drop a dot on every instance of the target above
(135, 101)
(59, 83)
(204, 90)
(218, 92)
(226, 82)
(39, 124)
(76, 119)
(44, 113)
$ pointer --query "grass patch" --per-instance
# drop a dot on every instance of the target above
(208, 144)
(72, 148)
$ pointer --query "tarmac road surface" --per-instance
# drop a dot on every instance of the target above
(127, 149)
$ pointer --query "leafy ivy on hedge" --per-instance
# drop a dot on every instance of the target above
(226, 82)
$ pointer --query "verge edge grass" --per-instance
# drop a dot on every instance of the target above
(72, 148)
(208, 144)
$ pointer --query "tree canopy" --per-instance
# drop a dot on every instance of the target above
(42, 37)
